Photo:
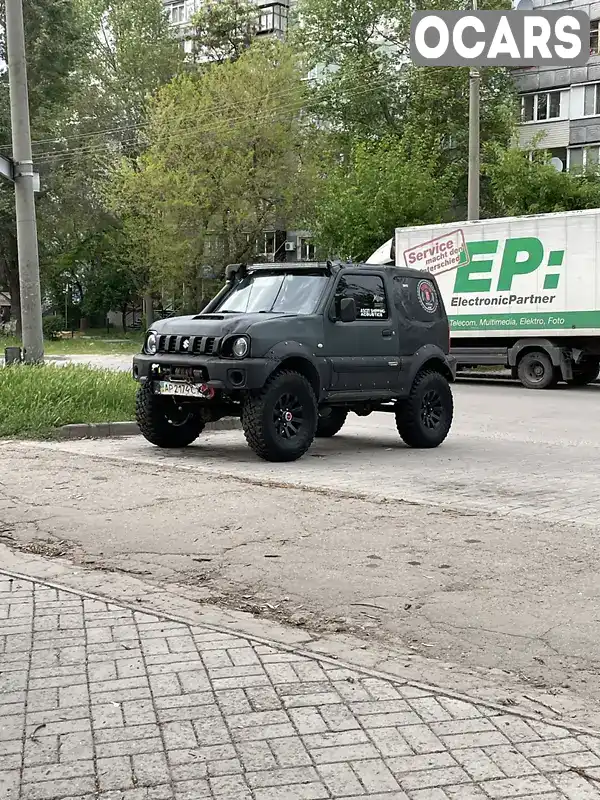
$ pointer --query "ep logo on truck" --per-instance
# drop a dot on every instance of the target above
(500, 38)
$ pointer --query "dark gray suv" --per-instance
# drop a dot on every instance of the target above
(291, 349)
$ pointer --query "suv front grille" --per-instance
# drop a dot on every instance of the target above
(188, 345)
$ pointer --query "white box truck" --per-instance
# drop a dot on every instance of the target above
(520, 292)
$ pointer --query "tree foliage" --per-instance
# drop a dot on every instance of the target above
(519, 185)
(379, 187)
(227, 158)
(221, 30)
(383, 112)
(131, 53)
(56, 40)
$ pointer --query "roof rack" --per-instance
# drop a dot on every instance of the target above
(308, 265)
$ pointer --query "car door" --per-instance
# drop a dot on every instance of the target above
(363, 353)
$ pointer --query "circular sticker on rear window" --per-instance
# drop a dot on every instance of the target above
(427, 296)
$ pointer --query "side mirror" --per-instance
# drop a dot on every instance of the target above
(347, 309)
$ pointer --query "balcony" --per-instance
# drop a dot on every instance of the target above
(272, 19)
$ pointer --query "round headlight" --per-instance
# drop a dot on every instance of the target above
(240, 347)
(151, 345)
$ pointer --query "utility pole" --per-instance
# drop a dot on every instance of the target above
(27, 244)
(473, 181)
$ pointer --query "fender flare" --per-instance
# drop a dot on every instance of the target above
(431, 352)
(559, 356)
(317, 369)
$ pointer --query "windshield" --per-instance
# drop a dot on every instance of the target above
(280, 292)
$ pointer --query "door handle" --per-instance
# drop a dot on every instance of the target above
(387, 332)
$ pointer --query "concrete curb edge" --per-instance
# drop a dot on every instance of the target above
(113, 430)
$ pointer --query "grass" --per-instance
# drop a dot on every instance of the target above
(93, 343)
(35, 400)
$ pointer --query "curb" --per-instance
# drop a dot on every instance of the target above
(114, 430)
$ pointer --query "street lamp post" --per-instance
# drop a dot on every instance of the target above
(473, 179)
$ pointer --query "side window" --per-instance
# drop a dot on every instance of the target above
(369, 295)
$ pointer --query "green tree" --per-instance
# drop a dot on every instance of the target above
(516, 184)
(57, 40)
(110, 278)
(221, 30)
(355, 53)
(366, 89)
(227, 157)
(131, 53)
(382, 185)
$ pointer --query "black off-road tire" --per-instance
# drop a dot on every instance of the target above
(331, 421)
(424, 418)
(270, 433)
(536, 371)
(160, 422)
(585, 373)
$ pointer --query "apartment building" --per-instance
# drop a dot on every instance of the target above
(560, 108)
(272, 17)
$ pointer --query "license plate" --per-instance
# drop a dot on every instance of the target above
(178, 389)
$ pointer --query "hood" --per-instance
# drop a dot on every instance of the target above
(213, 324)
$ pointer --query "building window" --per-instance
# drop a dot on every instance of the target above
(594, 37)
(538, 107)
(584, 157)
(266, 246)
(307, 250)
(176, 13)
(591, 100)
(273, 18)
(546, 155)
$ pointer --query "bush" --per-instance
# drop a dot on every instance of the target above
(8, 328)
(34, 400)
(52, 327)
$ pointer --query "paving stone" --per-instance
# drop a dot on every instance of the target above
(256, 756)
(230, 766)
(49, 790)
(151, 769)
(340, 739)
(307, 720)
(115, 773)
(289, 752)
(281, 777)
(340, 779)
(510, 761)
(389, 742)
(514, 787)
(305, 791)
(375, 775)
(204, 714)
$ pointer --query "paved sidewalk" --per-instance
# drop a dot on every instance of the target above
(101, 702)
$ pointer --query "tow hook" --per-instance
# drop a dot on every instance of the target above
(206, 391)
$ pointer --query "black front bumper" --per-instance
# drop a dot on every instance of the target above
(227, 375)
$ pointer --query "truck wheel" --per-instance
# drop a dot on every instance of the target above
(536, 371)
(425, 417)
(162, 422)
(280, 421)
(585, 373)
(331, 421)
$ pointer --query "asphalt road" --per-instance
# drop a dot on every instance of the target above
(481, 553)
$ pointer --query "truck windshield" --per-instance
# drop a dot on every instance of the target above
(277, 292)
